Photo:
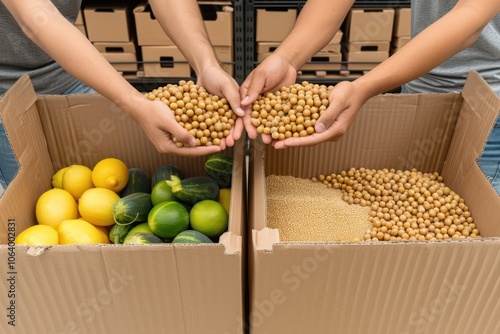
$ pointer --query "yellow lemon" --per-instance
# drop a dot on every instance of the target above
(104, 230)
(96, 206)
(78, 231)
(77, 179)
(110, 173)
(54, 206)
(225, 198)
(38, 235)
(57, 178)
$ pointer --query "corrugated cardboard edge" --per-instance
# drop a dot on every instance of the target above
(23, 126)
(478, 114)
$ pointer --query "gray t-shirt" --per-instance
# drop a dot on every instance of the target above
(19, 55)
(483, 56)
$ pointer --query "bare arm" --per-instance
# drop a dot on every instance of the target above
(429, 49)
(432, 46)
(44, 25)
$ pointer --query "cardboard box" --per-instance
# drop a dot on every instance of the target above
(218, 18)
(364, 60)
(217, 15)
(79, 19)
(122, 61)
(274, 24)
(81, 28)
(323, 61)
(164, 61)
(108, 22)
(404, 287)
(369, 24)
(399, 42)
(267, 47)
(109, 288)
(368, 46)
(116, 47)
(402, 22)
(225, 55)
(335, 48)
(148, 29)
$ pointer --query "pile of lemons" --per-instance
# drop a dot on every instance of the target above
(79, 207)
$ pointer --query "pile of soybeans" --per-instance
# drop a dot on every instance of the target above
(207, 117)
(367, 205)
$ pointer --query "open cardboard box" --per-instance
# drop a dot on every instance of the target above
(108, 288)
(384, 287)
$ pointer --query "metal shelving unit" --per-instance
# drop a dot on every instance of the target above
(250, 15)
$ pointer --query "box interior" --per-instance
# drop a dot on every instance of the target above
(429, 132)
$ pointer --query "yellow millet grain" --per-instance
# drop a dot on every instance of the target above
(303, 210)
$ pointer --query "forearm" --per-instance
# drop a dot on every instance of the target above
(316, 25)
(449, 35)
(183, 23)
(69, 47)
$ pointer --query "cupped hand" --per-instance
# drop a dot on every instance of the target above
(218, 82)
(158, 122)
(273, 73)
(345, 100)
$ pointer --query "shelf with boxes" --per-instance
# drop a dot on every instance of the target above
(371, 32)
(132, 40)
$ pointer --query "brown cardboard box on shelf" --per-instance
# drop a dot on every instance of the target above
(369, 24)
(218, 18)
(364, 60)
(115, 47)
(122, 61)
(273, 24)
(336, 48)
(399, 42)
(107, 288)
(323, 61)
(432, 287)
(161, 61)
(267, 47)
(108, 23)
(81, 28)
(225, 55)
(148, 29)
(402, 22)
(368, 46)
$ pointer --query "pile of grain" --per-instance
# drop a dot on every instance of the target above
(303, 210)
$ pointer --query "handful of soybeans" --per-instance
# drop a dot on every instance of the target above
(291, 111)
(206, 116)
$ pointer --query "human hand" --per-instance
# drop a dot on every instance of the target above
(345, 100)
(273, 73)
(218, 82)
(158, 122)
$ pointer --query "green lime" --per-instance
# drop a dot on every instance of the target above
(161, 192)
(167, 219)
(209, 217)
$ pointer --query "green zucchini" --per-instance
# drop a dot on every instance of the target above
(164, 172)
(118, 233)
(219, 167)
(194, 189)
(132, 208)
(138, 182)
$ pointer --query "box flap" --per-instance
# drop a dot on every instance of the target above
(461, 171)
(22, 124)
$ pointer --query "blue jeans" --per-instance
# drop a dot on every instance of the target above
(489, 161)
(9, 165)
